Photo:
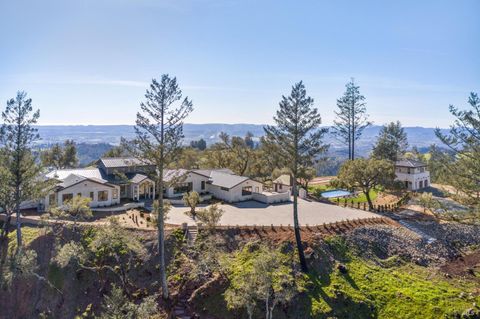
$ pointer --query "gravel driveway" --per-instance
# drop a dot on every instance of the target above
(255, 213)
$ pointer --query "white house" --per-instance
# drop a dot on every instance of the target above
(219, 183)
(99, 191)
(127, 178)
(413, 174)
(114, 179)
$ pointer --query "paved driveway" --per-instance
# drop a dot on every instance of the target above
(255, 213)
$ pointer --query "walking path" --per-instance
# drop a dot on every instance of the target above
(417, 231)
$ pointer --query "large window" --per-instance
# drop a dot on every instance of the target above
(247, 190)
(183, 188)
(66, 197)
(102, 196)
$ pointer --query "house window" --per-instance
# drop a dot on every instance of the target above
(202, 185)
(183, 188)
(102, 196)
(51, 199)
(91, 195)
(247, 190)
(115, 194)
(224, 189)
(66, 197)
(79, 194)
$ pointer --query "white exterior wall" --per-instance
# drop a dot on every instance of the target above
(235, 194)
(271, 198)
(414, 179)
(84, 188)
(281, 188)
(196, 181)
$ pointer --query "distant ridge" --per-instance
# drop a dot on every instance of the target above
(418, 136)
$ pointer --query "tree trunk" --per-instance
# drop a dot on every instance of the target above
(161, 238)
(349, 141)
(6, 225)
(19, 224)
(267, 309)
(369, 200)
(298, 238)
(353, 127)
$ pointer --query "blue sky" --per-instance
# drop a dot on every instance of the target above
(90, 61)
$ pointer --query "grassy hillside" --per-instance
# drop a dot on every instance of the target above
(346, 280)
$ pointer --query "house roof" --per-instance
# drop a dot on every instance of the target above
(226, 180)
(222, 177)
(409, 163)
(208, 172)
(112, 162)
(74, 179)
(137, 178)
(284, 179)
(62, 174)
(171, 174)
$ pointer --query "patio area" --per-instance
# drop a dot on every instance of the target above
(256, 213)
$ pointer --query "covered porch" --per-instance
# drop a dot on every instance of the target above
(138, 188)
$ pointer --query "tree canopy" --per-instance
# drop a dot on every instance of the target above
(351, 117)
(391, 143)
(366, 174)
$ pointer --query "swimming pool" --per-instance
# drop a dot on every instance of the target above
(336, 193)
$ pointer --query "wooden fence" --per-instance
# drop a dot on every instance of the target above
(393, 207)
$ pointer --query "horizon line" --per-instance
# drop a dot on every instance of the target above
(220, 123)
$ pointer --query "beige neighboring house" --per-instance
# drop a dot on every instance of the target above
(413, 174)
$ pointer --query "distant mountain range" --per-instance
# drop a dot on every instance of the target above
(420, 137)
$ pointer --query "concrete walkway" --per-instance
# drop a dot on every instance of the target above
(255, 213)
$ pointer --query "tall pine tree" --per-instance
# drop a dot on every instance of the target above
(392, 142)
(464, 141)
(299, 139)
(159, 132)
(19, 171)
(351, 118)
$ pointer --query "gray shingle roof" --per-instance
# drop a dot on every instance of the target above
(208, 172)
(112, 162)
(62, 174)
(74, 179)
(409, 163)
(226, 180)
(137, 178)
(171, 174)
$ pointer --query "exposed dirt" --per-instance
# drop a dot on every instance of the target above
(386, 199)
(468, 265)
(323, 180)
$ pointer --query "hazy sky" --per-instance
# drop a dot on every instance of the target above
(90, 61)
